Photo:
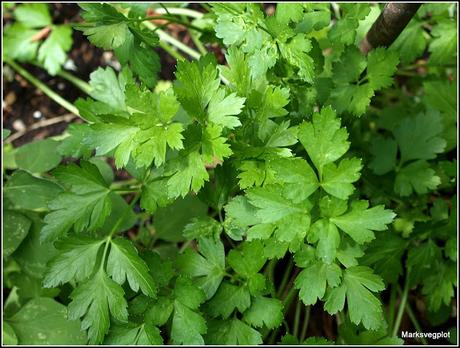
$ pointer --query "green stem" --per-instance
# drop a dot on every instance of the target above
(206, 7)
(391, 306)
(104, 255)
(184, 246)
(197, 42)
(413, 319)
(83, 85)
(303, 333)
(270, 270)
(44, 88)
(171, 50)
(298, 309)
(286, 305)
(121, 191)
(171, 19)
(285, 279)
(180, 11)
(336, 8)
(123, 183)
(288, 299)
(173, 41)
(402, 305)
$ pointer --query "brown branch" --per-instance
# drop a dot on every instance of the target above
(40, 124)
(388, 25)
(42, 34)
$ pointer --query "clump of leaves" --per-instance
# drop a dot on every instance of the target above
(296, 175)
(34, 37)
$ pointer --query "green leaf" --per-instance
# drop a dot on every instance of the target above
(272, 206)
(239, 25)
(214, 147)
(351, 334)
(338, 180)
(418, 137)
(298, 178)
(344, 31)
(189, 175)
(142, 59)
(312, 281)
(296, 53)
(353, 92)
(416, 176)
(73, 146)
(381, 65)
(159, 313)
(5, 133)
(360, 222)
(286, 13)
(53, 52)
(33, 15)
(197, 83)
(183, 210)
(232, 332)
(384, 255)
(422, 259)
(16, 227)
(76, 261)
(411, 43)
(202, 227)
(222, 109)
(315, 341)
(155, 194)
(438, 286)
(443, 46)
(441, 95)
(358, 284)
(208, 266)
(121, 218)
(237, 72)
(38, 157)
(9, 336)
(85, 206)
(105, 26)
(264, 311)
(18, 42)
(107, 36)
(95, 300)
(242, 212)
(188, 325)
(323, 138)
(124, 263)
(384, 151)
(328, 238)
(33, 255)
(348, 254)
(228, 298)
(107, 88)
(269, 103)
(352, 98)
(248, 259)
(43, 321)
(134, 335)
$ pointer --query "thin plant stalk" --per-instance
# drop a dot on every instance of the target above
(180, 11)
(303, 332)
(402, 306)
(43, 87)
